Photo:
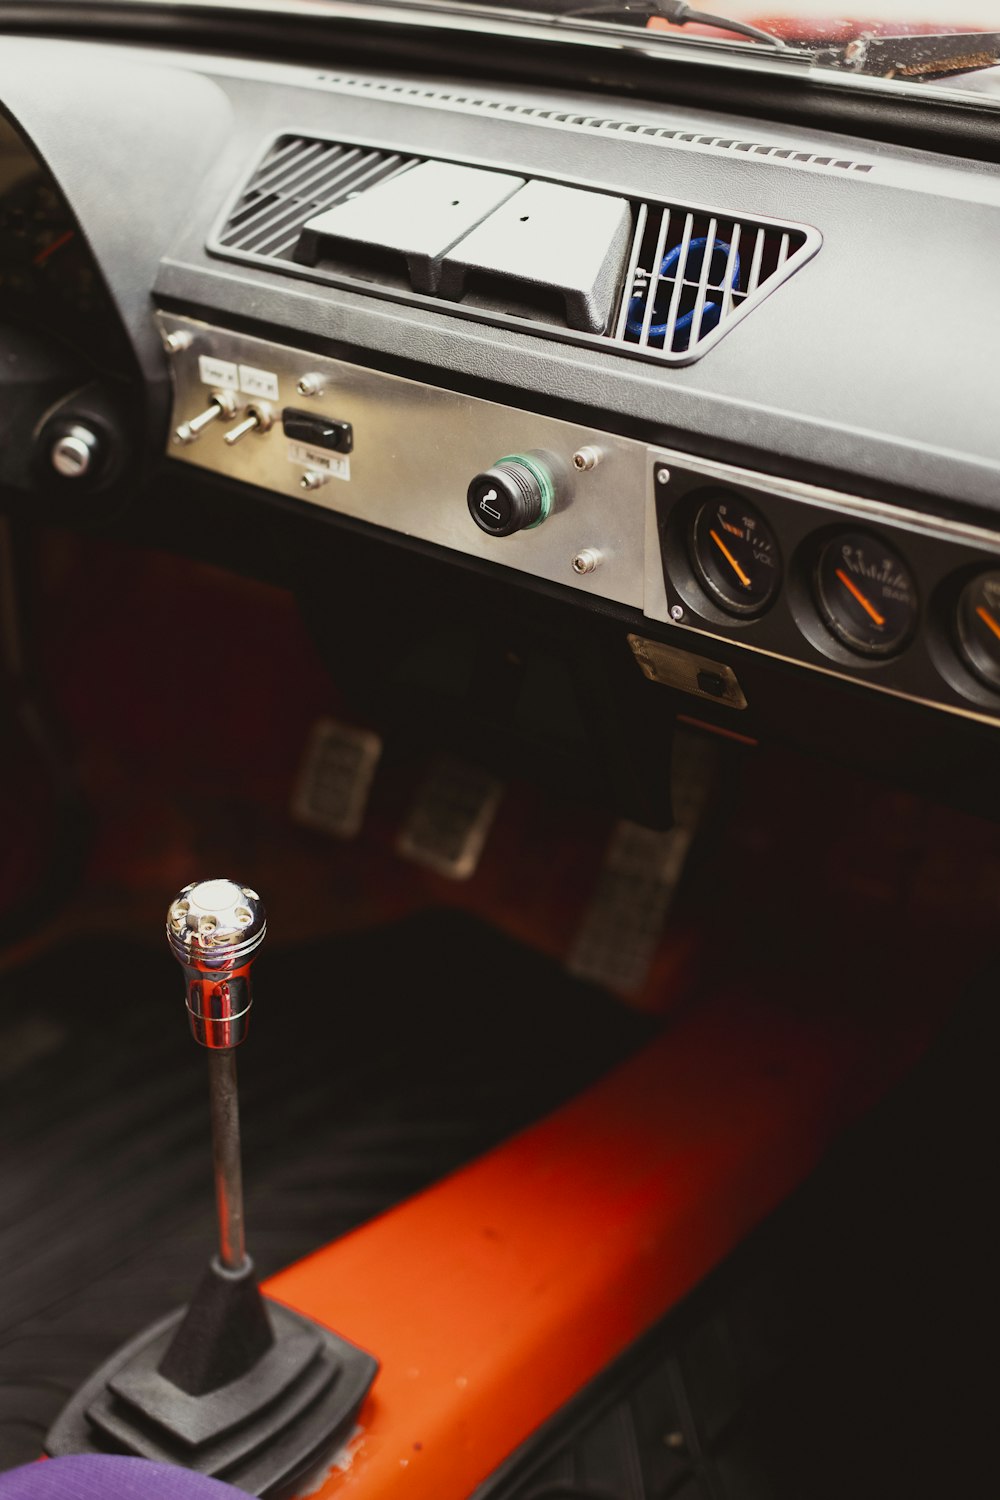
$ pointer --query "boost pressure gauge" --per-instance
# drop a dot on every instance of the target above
(979, 627)
(735, 554)
(866, 593)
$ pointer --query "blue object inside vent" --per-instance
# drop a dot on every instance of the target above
(670, 272)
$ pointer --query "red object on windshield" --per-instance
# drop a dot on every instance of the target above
(817, 21)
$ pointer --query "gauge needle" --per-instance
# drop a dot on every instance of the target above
(730, 559)
(57, 244)
(988, 619)
(868, 608)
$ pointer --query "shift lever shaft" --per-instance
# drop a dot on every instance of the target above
(214, 928)
(226, 1163)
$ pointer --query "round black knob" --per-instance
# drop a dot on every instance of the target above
(516, 493)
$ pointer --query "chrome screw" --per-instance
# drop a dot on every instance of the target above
(312, 479)
(676, 612)
(309, 385)
(586, 458)
(178, 341)
(663, 476)
(587, 560)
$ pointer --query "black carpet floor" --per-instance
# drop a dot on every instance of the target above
(375, 1065)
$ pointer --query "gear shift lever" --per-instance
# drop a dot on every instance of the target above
(233, 1385)
(214, 930)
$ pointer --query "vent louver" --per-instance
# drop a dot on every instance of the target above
(689, 276)
(297, 179)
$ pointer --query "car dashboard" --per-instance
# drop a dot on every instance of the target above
(543, 522)
(387, 302)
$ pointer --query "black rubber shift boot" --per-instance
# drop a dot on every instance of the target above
(223, 1334)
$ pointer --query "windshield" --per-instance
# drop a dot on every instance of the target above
(951, 44)
(814, 24)
(955, 43)
(822, 24)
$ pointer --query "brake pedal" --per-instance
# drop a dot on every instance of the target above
(450, 819)
(335, 778)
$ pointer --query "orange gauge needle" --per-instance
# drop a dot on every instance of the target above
(988, 619)
(868, 608)
(730, 559)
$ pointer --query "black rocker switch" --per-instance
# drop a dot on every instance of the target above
(233, 1385)
(317, 431)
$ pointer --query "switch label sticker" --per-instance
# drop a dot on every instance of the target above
(262, 383)
(218, 372)
(336, 465)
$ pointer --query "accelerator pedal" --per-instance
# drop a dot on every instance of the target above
(621, 929)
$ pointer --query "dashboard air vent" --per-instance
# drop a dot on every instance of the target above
(690, 274)
(296, 180)
(655, 280)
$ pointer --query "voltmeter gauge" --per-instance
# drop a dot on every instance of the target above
(979, 627)
(735, 554)
(866, 594)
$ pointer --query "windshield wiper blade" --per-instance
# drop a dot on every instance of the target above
(675, 11)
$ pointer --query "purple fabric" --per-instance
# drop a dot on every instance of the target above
(96, 1476)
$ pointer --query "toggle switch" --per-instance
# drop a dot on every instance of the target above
(223, 404)
(257, 419)
(317, 431)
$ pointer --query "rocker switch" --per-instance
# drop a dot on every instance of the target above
(317, 431)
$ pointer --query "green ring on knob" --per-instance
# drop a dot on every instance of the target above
(542, 477)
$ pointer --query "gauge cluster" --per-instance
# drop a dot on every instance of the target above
(49, 281)
(863, 590)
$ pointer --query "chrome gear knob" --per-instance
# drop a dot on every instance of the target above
(214, 928)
